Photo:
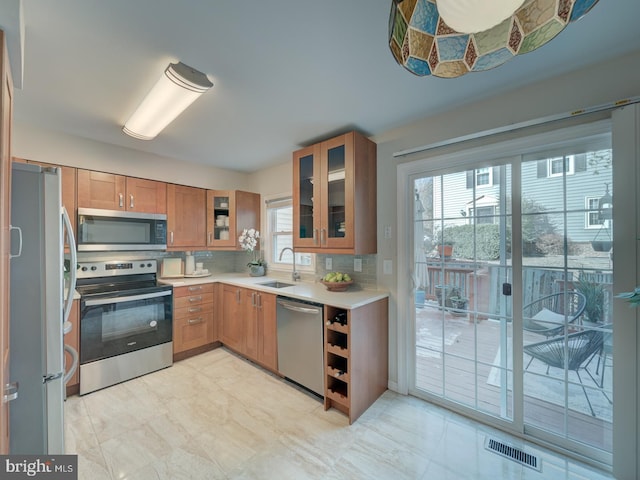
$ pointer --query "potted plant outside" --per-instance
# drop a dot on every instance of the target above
(445, 250)
(601, 245)
(444, 294)
(459, 305)
(594, 294)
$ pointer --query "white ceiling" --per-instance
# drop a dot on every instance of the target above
(286, 73)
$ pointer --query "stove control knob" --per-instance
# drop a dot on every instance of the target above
(142, 265)
(84, 269)
(149, 265)
(94, 268)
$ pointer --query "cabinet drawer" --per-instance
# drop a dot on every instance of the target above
(193, 299)
(194, 310)
(192, 331)
(193, 290)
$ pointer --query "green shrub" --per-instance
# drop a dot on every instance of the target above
(461, 237)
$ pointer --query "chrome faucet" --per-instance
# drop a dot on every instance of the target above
(294, 275)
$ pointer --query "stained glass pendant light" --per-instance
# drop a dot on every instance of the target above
(423, 42)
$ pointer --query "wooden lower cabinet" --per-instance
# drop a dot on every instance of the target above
(356, 357)
(73, 340)
(267, 331)
(249, 324)
(261, 339)
(232, 325)
(193, 319)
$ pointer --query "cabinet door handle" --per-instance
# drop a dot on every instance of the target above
(195, 289)
(130, 200)
(259, 300)
(121, 202)
(171, 238)
(194, 321)
(196, 299)
(195, 309)
(315, 236)
(323, 240)
(238, 296)
(253, 299)
(10, 392)
(210, 237)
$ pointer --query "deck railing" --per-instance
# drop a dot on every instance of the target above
(482, 283)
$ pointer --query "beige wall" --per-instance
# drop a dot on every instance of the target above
(59, 148)
(274, 180)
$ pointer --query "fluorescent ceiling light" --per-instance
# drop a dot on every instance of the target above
(473, 16)
(176, 89)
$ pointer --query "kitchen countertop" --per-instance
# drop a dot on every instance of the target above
(316, 292)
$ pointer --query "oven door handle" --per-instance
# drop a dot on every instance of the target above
(131, 298)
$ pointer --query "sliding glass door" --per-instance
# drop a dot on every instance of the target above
(463, 324)
(567, 277)
(512, 304)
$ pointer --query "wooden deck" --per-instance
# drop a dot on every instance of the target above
(447, 347)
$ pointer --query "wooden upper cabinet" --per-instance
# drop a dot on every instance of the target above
(146, 195)
(186, 217)
(228, 213)
(118, 192)
(101, 190)
(334, 196)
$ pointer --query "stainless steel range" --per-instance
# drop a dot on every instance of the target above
(125, 322)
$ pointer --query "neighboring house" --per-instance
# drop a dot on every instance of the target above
(588, 179)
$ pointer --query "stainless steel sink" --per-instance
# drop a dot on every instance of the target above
(276, 284)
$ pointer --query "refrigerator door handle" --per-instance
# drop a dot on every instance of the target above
(10, 392)
(11, 227)
(74, 364)
(52, 376)
(72, 266)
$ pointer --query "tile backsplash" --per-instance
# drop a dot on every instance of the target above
(230, 262)
(367, 278)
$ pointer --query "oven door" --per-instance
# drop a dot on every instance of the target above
(115, 324)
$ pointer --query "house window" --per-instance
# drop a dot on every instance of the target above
(559, 165)
(483, 214)
(483, 176)
(592, 217)
(280, 236)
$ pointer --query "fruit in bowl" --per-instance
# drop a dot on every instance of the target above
(336, 281)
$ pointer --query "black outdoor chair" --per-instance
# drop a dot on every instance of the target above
(579, 350)
(548, 315)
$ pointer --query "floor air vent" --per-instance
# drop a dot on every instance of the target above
(513, 453)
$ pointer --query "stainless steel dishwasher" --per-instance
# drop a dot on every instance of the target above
(300, 347)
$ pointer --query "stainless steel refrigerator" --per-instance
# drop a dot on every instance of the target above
(38, 309)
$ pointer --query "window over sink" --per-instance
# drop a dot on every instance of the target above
(279, 235)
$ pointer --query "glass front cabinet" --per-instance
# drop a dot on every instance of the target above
(334, 196)
(228, 213)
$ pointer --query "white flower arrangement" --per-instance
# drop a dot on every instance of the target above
(248, 241)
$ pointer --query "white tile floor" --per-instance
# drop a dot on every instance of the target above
(218, 416)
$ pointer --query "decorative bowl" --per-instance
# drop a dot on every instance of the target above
(337, 286)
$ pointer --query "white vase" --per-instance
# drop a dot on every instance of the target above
(256, 270)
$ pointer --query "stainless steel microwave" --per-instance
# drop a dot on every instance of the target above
(107, 230)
